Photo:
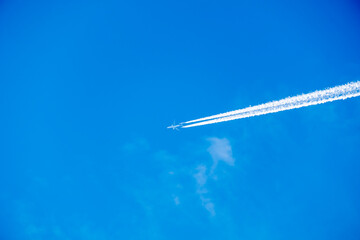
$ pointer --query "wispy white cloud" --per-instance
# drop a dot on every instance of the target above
(219, 150)
(176, 200)
(201, 177)
(208, 204)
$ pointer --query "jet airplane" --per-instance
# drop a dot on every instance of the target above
(175, 127)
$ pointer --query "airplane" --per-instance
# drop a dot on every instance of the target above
(175, 127)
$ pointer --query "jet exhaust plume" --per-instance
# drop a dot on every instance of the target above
(341, 92)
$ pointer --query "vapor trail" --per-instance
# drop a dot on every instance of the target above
(341, 92)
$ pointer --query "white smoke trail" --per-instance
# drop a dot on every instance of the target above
(342, 92)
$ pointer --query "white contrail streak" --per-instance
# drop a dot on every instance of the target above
(342, 92)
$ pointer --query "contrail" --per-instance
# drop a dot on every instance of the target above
(341, 92)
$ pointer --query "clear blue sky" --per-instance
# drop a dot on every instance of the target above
(87, 89)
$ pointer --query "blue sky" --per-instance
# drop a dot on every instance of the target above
(87, 89)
